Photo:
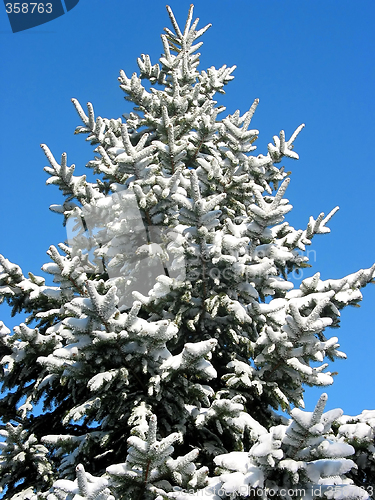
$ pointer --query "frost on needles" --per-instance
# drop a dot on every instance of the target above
(157, 364)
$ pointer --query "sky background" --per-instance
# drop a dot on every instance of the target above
(308, 62)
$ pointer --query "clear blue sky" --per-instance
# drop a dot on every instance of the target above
(307, 61)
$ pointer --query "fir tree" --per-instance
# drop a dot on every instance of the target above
(172, 336)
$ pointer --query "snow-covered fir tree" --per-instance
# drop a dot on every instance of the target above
(157, 364)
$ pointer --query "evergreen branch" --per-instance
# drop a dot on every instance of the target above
(174, 22)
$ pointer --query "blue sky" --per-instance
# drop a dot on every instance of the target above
(307, 62)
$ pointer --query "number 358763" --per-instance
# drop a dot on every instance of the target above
(28, 8)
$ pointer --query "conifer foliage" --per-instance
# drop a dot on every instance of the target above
(155, 366)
